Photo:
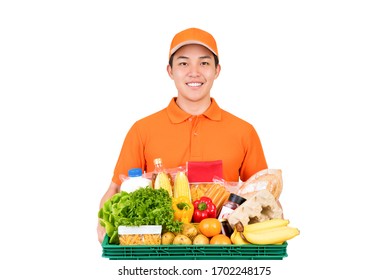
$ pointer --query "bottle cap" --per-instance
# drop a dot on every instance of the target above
(157, 161)
(135, 172)
(236, 198)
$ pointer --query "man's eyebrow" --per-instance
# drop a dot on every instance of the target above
(201, 57)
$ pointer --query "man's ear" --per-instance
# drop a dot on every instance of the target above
(169, 71)
(217, 71)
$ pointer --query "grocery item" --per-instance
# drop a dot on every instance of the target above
(272, 236)
(183, 209)
(274, 231)
(273, 223)
(267, 232)
(167, 238)
(134, 181)
(218, 194)
(198, 190)
(181, 239)
(270, 179)
(181, 185)
(229, 206)
(260, 207)
(160, 178)
(203, 208)
(145, 206)
(204, 171)
(189, 230)
(237, 239)
(200, 239)
(140, 235)
(210, 227)
(220, 239)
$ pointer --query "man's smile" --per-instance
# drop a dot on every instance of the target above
(194, 84)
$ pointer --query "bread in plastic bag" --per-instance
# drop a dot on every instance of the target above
(270, 179)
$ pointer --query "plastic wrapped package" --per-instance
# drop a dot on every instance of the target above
(140, 235)
(270, 179)
(198, 190)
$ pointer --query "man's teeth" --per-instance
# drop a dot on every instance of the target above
(194, 84)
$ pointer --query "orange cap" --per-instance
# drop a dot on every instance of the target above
(193, 36)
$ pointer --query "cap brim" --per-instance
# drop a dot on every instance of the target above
(191, 42)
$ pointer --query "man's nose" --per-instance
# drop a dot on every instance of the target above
(194, 70)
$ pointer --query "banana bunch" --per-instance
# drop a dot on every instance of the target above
(237, 239)
(274, 231)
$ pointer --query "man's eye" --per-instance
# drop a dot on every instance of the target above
(204, 63)
(183, 63)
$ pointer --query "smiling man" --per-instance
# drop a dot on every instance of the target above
(193, 70)
(193, 65)
(192, 127)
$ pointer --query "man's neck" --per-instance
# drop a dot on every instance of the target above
(194, 108)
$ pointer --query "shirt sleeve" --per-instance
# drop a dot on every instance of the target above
(254, 159)
(131, 154)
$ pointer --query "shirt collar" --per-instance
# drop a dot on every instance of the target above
(177, 115)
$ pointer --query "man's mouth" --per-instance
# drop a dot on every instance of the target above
(194, 84)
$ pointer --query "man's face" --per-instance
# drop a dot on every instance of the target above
(193, 71)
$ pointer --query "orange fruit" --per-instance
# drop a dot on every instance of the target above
(210, 227)
(220, 239)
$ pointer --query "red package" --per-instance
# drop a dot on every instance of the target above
(204, 171)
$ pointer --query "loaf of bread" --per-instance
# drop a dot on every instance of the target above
(270, 179)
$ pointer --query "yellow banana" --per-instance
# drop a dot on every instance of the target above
(272, 235)
(237, 239)
(273, 223)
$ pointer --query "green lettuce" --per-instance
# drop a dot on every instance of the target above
(145, 206)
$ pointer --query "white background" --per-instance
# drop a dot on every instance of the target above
(311, 76)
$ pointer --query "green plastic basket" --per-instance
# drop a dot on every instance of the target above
(194, 252)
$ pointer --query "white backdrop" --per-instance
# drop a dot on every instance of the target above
(311, 76)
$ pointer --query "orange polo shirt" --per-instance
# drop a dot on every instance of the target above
(178, 137)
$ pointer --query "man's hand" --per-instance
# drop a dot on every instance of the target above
(100, 232)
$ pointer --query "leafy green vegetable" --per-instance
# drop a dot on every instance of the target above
(145, 206)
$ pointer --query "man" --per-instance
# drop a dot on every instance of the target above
(193, 127)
